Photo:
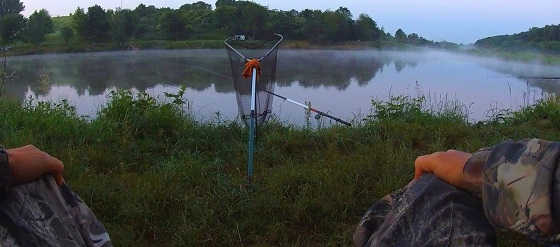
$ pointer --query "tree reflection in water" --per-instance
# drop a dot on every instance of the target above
(197, 69)
(341, 81)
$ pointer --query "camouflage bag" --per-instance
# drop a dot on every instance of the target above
(427, 212)
(42, 213)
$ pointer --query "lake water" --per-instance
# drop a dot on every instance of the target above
(339, 82)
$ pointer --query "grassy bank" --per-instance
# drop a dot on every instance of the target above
(75, 47)
(521, 55)
(57, 46)
(155, 177)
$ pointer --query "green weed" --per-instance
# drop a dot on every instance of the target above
(157, 177)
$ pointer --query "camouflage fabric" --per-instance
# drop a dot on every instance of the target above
(517, 183)
(427, 212)
(520, 187)
(45, 214)
(5, 172)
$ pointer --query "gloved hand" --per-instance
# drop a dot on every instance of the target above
(447, 166)
(29, 163)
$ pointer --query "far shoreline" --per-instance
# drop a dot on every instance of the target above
(81, 47)
(43, 49)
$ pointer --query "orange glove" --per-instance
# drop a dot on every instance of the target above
(249, 66)
(29, 163)
(447, 166)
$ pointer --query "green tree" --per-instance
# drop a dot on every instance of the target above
(93, 25)
(143, 10)
(148, 20)
(80, 23)
(284, 22)
(196, 6)
(414, 38)
(67, 34)
(8, 7)
(173, 26)
(225, 17)
(198, 18)
(346, 23)
(11, 21)
(251, 17)
(338, 24)
(345, 13)
(400, 35)
(313, 27)
(123, 26)
(39, 25)
(546, 39)
(97, 24)
(221, 3)
(366, 28)
(11, 26)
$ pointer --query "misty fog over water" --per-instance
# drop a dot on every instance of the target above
(340, 82)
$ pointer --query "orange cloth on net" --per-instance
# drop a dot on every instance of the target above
(249, 66)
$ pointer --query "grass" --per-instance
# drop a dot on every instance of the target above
(55, 44)
(156, 177)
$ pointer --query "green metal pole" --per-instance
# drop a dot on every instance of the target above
(252, 127)
(251, 149)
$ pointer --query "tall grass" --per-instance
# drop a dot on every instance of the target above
(157, 177)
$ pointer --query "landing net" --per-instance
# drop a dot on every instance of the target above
(265, 81)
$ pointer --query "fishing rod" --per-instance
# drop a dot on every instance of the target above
(309, 108)
(279, 96)
(539, 78)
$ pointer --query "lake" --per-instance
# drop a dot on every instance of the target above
(339, 82)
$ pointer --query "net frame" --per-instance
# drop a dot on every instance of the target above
(265, 82)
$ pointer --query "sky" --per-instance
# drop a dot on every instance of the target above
(461, 21)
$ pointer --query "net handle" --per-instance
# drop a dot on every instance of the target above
(261, 58)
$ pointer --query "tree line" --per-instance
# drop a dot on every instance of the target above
(546, 38)
(196, 21)
(13, 26)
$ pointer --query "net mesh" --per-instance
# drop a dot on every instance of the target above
(266, 81)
